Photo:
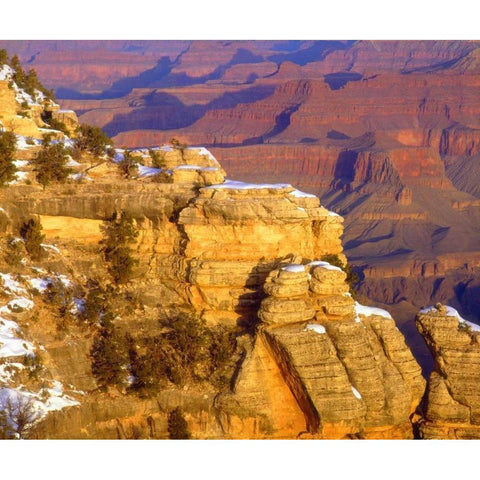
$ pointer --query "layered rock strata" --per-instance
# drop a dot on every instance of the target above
(313, 363)
(347, 367)
(452, 407)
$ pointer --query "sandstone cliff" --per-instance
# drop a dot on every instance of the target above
(453, 393)
(223, 249)
(347, 368)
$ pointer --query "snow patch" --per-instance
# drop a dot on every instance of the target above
(369, 311)
(299, 194)
(203, 151)
(235, 185)
(20, 163)
(326, 265)
(50, 247)
(18, 303)
(8, 370)
(11, 285)
(71, 162)
(10, 344)
(294, 268)
(317, 328)
(148, 171)
(356, 393)
(452, 312)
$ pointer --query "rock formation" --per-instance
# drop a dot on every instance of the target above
(347, 368)
(386, 133)
(453, 394)
(313, 364)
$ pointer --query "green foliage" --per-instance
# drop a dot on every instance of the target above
(96, 303)
(118, 233)
(162, 177)
(15, 252)
(177, 425)
(148, 365)
(60, 296)
(50, 164)
(34, 365)
(92, 139)
(158, 158)
(352, 278)
(8, 147)
(128, 165)
(107, 358)
(31, 232)
(19, 75)
(3, 57)
(177, 145)
(186, 350)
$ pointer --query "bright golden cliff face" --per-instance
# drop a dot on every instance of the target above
(309, 362)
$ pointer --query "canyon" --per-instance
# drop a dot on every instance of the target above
(252, 259)
(385, 133)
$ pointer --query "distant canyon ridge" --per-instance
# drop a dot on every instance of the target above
(387, 133)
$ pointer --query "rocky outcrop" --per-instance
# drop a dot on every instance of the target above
(235, 233)
(311, 363)
(452, 404)
(346, 366)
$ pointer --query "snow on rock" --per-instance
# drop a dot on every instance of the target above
(326, 265)
(41, 403)
(452, 312)
(22, 142)
(21, 303)
(203, 151)
(80, 177)
(369, 311)
(20, 163)
(71, 162)
(6, 72)
(148, 171)
(356, 393)
(40, 284)
(119, 154)
(8, 370)
(50, 247)
(10, 344)
(317, 328)
(235, 185)
(299, 194)
(78, 306)
(11, 285)
(294, 268)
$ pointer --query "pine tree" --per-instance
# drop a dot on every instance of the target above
(128, 165)
(158, 158)
(31, 232)
(177, 425)
(118, 234)
(8, 147)
(19, 76)
(3, 57)
(50, 164)
(31, 82)
(107, 358)
(92, 139)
